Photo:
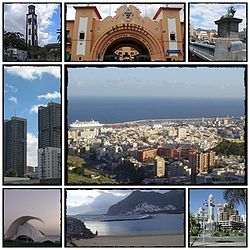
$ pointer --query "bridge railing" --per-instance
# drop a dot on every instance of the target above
(204, 51)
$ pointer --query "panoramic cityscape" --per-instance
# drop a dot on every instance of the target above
(125, 217)
(32, 125)
(36, 222)
(123, 136)
(32, 32)
(217, 217)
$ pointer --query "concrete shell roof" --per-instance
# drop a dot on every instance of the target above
(19, 221)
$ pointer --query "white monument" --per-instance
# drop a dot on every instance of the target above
(210, 225)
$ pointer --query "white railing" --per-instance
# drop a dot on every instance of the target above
(205, 51)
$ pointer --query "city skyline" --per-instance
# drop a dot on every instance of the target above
(48, 16)
(25, 89)
(203, 15)
(208, 82)
(41, 203)
(198, 196)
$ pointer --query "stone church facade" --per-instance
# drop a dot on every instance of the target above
(125, 37)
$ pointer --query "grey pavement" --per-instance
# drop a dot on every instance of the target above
(219, 241)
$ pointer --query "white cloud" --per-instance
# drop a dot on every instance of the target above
(54, 95)
(204, 15)
(32, 145)
(33, 73)
(13, 99)
(10, 87)
(34, 108)
(15, 15)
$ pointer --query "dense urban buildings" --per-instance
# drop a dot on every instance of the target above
(127, 36)
(195, 151)
(49, 141)
(15, 146)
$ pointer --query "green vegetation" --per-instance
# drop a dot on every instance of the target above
(127, 172)
(80, 174)
(227, 234)
(194, 225)
(227, 147)
(11, 173)
(235, 196)
(75, 161)
(14, 40)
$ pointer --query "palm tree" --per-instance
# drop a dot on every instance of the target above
(194, 228)
(236, 196)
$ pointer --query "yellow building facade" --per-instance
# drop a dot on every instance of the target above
(125, 37)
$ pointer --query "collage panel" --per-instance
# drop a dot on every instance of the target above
(218, 32)
(125, 32)
(125, 217)
(32, 130)
(156, 125)
(32, 217)
(218, 217)
(32, 32)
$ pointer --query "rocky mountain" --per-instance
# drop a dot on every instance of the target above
(150, 202)
(76, 229)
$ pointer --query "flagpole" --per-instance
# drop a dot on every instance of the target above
(203, 222)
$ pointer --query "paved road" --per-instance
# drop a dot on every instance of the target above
(219, 241)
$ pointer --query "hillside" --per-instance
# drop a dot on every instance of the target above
(150, 202)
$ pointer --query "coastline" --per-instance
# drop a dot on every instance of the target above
(164, 240)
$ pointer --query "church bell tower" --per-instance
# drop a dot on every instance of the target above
(31, 27)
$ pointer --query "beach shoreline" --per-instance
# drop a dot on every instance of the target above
(164, 240)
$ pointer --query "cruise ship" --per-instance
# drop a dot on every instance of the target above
(85, 124)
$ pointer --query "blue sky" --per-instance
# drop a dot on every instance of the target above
(157, 81)
(203, 15)
(48, 16)
(26, 88)
(197, 197)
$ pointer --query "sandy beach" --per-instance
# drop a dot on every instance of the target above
(148, 241)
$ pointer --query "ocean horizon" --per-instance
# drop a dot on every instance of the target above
(159, 224)
(124, 109)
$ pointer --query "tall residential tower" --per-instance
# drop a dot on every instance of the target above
(15, 145)
(49, 141)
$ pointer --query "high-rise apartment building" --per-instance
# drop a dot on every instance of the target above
(49, 141)
(31, 27)
(49, 125)
(49, 160)
(15, 145)
(229, 218)
(159, 166)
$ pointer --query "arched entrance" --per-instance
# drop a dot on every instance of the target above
(126, 49)
(140, 44)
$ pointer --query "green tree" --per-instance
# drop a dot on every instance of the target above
(13, 40)
(235, 196)
(11, 173)
(194, 227)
